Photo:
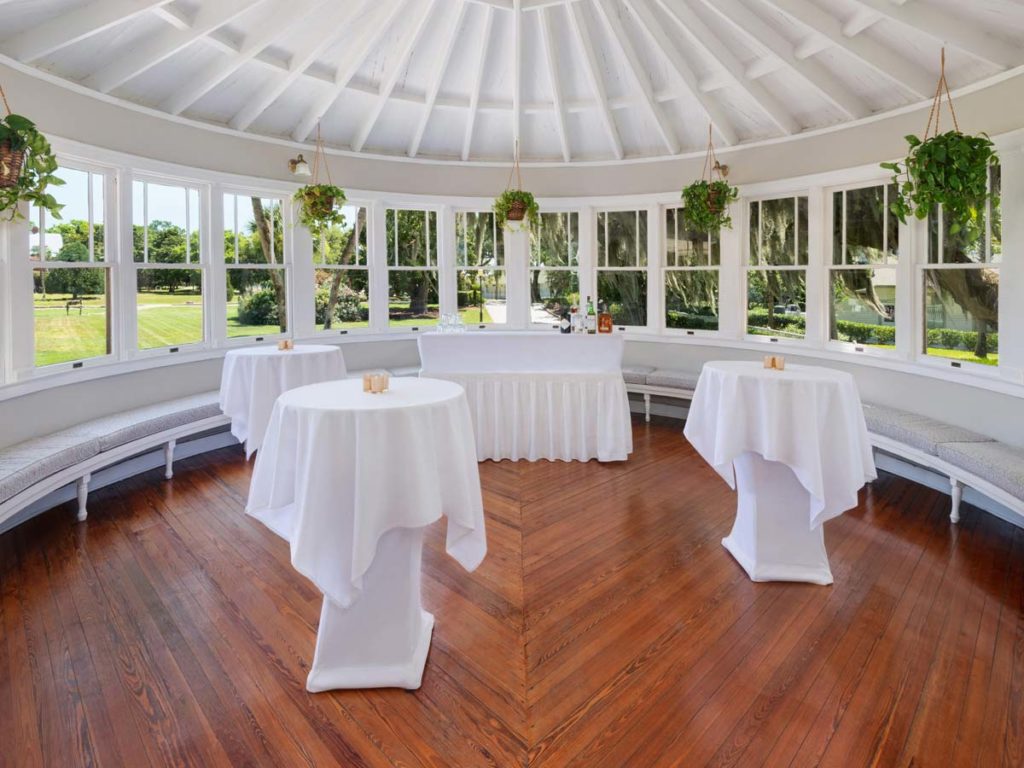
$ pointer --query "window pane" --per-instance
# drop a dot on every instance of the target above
(865, 226)
(837, 227)
(802, 228)
(71, 308)
(778, 232)
(98, 218)
(626, 244)
(345, 243)
(863, 303)
(755, 233)
(552, 292)
(996, 249)
(170, 307)
(412, 297)
(893, 236)
(68, 239)
(342, 298)
(776, 302)
(411, 238)
(477, 241)
(961, 313)
(257, 302)
(687, 248)
(555, 241)
(138, 220)
(625, 295)
(691, 299)
(482, 296)
(231, 244)
(262, 240)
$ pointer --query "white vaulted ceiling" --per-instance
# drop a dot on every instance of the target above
(575, 80)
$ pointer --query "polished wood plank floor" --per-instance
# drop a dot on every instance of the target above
(607, 627)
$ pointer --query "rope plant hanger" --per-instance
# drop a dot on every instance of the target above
(948, 169)
(27, 165)
(320, 204)
(706, 202)
(516, 204)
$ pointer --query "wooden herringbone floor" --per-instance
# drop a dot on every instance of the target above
(607, 627)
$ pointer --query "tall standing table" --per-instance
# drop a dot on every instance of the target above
(350, 480)
(254, 377)
(538, 395)
(795, 447)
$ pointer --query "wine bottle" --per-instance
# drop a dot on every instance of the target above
(591, 317)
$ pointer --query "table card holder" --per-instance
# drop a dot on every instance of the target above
(375, 383)
(286, 345)
(775, 362)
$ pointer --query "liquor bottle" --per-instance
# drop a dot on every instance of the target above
(565, 326)
(591, 317)
(604, 320)
(574, 320)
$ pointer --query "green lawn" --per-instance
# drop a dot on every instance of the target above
(64, 335)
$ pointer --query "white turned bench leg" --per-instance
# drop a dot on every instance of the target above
(83, 497)
(956, 493)
(169, 459)
(647, 407)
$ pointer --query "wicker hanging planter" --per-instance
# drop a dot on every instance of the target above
(706, 202)
(516, 205)
(27, 165)
(320, 204)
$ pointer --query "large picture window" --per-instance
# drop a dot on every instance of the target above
(961, 284)
(690, 275)
(865, 252)
(554, 266)
(168, 257)
(412, 268)
(777, 268)
(480, 258)
(342, 274)
(71, 275)
(257, 296)
(622, 265)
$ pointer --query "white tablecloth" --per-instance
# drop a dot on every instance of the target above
(254, 377)
(538, 395)
(795, 446)
(341, 475)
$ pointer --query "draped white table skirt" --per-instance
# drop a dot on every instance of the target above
(553, 416)
(770, 537)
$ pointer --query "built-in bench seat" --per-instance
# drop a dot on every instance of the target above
(31, 469)
(663, 382)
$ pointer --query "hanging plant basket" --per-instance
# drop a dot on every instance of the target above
(320, 204)
(516, 205)
(706, 202)
(27, 166)
(950, 169)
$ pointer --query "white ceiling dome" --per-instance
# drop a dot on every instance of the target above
(574, 80)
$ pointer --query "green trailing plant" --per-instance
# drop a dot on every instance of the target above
(27, 167)
(516, 205)
(950, 169)
(706, 202)
(706, 205)
(320, 207)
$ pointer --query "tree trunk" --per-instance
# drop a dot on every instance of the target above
(347, 257)
(418, 292)
(276, 277)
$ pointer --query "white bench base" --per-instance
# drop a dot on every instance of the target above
(648, 390)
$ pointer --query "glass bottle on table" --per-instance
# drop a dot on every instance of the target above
(591, 317)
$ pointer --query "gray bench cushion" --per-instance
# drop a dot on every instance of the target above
(665, 377)
(405, 370)
(360, 374)
(1000, 464)
(120, 428)
(913, 429)
(636, 374)
(25, 464)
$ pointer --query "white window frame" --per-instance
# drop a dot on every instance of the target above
(644, 268)
(666, 268)
(284, 266)
(444, 275)
(367, 267)
(750, 266)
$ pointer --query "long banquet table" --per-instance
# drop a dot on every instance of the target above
(538, 395)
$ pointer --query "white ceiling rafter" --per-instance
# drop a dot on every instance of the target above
(663, 41)
(474, 99)
(381, 18)
(944, 27)
(160, 47)
(546, 37)
(579, 28)
(317, 39)
(72, 26)
(756, 29)
(643, 81)
(882, 59)
(288, 13)
(173, 16)
(445, 56)
(388, 82)
(706, 39)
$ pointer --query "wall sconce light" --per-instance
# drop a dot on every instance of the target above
(722, 169)
(299, 167)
